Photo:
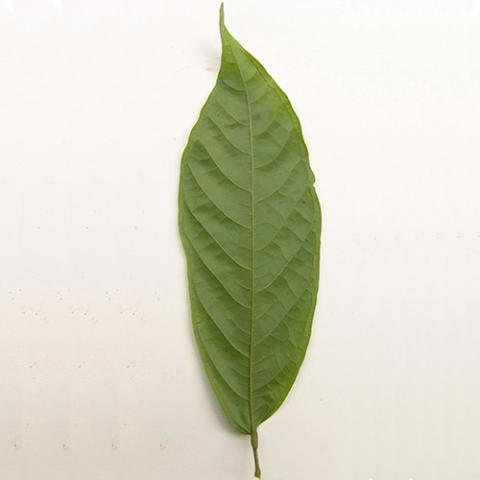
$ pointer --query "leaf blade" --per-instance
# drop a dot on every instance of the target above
(250, 223)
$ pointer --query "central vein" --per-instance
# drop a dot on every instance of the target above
(252, 246)
(253, 427)
(252, 302)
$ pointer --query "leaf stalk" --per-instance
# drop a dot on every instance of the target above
(254, 443)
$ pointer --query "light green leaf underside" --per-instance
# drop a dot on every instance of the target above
(250, 225)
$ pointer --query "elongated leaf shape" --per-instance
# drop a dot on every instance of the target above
(250, 225)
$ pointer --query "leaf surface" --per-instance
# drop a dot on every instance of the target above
(250, 225)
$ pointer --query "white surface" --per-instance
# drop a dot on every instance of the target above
(99, 377)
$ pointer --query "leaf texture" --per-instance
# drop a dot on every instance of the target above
(250, 224)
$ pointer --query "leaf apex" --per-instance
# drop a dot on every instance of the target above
(222, 16)
(224, 33)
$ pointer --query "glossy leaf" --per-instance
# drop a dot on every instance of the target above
(250, 225)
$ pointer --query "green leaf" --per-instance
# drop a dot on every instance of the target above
(250, 225)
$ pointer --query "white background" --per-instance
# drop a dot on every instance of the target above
(99, 375)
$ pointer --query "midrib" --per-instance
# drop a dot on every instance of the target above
(252, 246)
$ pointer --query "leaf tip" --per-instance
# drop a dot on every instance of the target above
(224, 34)
(222, 16)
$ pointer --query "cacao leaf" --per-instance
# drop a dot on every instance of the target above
(250, 224)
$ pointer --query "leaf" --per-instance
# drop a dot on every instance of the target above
(250, 225)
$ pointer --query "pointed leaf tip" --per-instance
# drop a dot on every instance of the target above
(224, 34)
(222, 16)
